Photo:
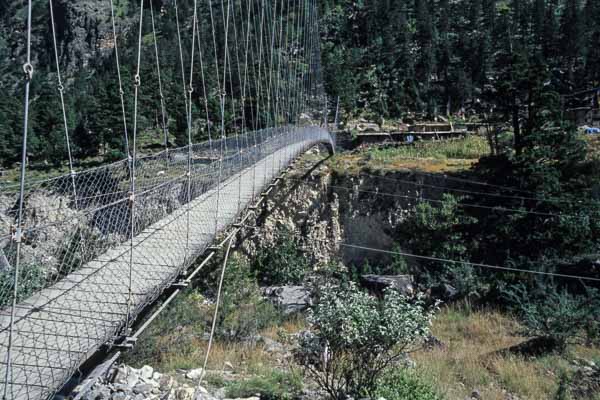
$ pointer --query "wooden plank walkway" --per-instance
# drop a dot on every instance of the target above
(60, 327)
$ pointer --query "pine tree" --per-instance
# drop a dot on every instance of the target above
(570, 39)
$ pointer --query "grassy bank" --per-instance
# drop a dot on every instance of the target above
(473, 355)
(473, 358)
(434, 157)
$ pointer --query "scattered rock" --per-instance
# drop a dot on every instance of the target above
(127, 376)
(194, 374)
(476, 394)
(378, 283)
(290, 299)
(166, 382)
(431, 343)
(126, 383)
(220, 393)
(184, 393)
(584, 362)
(272, 346)
(143, 388)
(146, 372)
(228, 366)
(585, 383)
(248, 398)
(98, 393)
(119, 396)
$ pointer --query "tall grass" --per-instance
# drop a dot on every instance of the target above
(471, 147)
(474, 359)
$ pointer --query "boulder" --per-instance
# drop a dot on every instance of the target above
(143, 388)
(585, 383)
(184, 393)
(444, 292)
(127, 376)
(272, 346)
(98, 393)
(289, 299)
(119, 396)
(194, 374)
(367, 127)
(146, 372)
(378, 283)
(247, 398)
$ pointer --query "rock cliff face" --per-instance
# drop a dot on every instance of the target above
(324, 208)
(83, 30)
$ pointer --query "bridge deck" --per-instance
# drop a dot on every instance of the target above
(63, 325)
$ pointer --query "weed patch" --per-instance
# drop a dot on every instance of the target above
(277, 385)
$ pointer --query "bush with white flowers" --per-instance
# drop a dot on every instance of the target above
(355, 337)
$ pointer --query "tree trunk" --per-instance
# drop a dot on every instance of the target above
(516, 129)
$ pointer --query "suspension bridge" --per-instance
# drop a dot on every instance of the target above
(85, 253)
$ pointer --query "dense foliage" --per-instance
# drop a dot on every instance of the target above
(399, 384)
(243, 311)
(284, 263)
(88, 69)
(394, 57)
(356, 337)
(276, 386)
(557, 315)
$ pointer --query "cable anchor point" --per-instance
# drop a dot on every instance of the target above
(28, 70)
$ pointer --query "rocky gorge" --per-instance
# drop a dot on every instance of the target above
(326, 206)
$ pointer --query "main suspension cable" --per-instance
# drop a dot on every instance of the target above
(189, 129)
(132, 199)
(120, 81)
(18, 235)
(61, 90)
(179, 45)
(160, 87)
(204, 93)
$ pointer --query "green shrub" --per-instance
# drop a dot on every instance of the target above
(243, 311)
(215, 380)
(173, 332)
(355, 337)
(31, 279)
(277, 386)
(397, 266)
(283, 263)
(399, 384)
(440, 230)
(114, 155)
(555, 314)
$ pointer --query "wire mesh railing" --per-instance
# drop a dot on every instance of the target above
(73, 294)
(83, 253)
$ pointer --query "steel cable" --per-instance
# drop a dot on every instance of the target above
(17, 238)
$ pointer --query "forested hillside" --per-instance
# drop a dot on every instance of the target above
(86, 51)
(384, 58)
(391, 57)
